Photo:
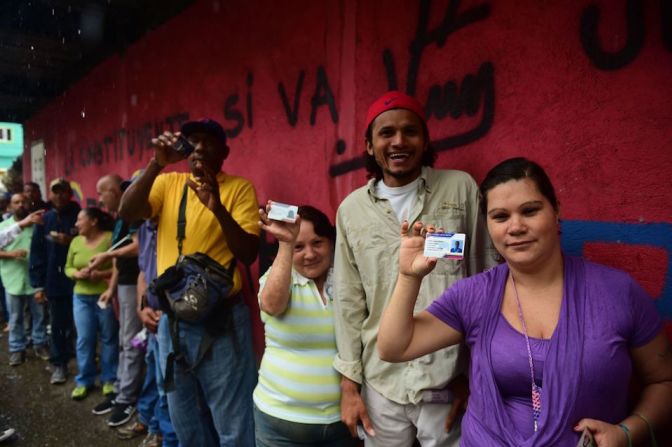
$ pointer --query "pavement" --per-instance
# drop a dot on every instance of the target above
(43, 414)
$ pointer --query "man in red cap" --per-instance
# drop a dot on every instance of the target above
(398, 403)
(211, 403)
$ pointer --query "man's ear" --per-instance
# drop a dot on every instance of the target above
(226, 151)
(369, 147)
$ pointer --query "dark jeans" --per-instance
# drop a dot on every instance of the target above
(212, 405)
(62, 329)
(273, 432)
(153, 404)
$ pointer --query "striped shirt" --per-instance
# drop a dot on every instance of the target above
(297, 381)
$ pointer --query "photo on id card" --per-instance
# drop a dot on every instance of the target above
(444, 245)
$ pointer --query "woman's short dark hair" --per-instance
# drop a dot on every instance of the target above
(320, 221)
(105, 222)
(375, 171)
(516, 169)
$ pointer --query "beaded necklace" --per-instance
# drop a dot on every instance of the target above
(536, 390)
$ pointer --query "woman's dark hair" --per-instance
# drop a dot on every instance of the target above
(320, 221)
(105, 222)
(516, 169)
(375, 171)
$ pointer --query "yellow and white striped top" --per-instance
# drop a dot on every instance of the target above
(297, 381)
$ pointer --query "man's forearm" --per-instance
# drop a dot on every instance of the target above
(114, 277)
(127, 251)
(243, 245)
(6, 254)
(134, 202)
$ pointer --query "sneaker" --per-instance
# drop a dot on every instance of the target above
(108, 389)
(42, 352)
(58, 375)
(152, 440)
(130, 431)
(121, 413)
(6, 433)
(16, 358)
(104, 407)
(79, 393)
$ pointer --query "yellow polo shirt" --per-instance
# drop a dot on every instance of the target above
(203, 232)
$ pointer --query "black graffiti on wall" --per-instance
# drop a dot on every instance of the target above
(237, 115)
(120, 145)
(470, 96)
(474, 94)
(322, 96)
(636, 33)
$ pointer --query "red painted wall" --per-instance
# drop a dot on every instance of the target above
(585, 90)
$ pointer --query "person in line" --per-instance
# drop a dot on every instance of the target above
(33, 195)
(421, 399)
(553, 338)
(211, 404)
(48, 253)
(8, 234)
(153, 416)
(297, 399)
(94, 317)
(123, 286)
(14, 273)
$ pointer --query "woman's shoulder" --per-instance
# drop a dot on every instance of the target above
(604, 275)
(610, 284)
(105, 241)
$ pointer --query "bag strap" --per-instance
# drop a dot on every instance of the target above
(182, 220)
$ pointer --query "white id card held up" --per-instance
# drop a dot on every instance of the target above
(445, 245)
(283, 212)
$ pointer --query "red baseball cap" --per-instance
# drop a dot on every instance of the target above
(394, 100)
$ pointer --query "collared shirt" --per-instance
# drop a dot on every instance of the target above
(203, 232)
(297, 381)
(365, 272)
(14, 272)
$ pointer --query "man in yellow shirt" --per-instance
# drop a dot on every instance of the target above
(221, 221)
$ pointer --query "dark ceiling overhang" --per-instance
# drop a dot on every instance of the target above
(48, 45)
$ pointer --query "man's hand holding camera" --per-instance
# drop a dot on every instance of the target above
(164, 149)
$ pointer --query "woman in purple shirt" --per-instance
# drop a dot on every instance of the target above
(553, 338)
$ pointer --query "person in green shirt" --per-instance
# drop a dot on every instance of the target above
(14, 273)
(93, 316)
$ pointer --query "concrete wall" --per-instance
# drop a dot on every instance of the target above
(583, 87)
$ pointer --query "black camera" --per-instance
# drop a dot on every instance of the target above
(183, 146)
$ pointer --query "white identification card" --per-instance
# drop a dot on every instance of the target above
(283, 212)
(445, 245)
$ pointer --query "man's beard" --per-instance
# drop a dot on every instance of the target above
(21, 213)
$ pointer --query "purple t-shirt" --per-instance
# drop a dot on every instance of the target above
(614, 315)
